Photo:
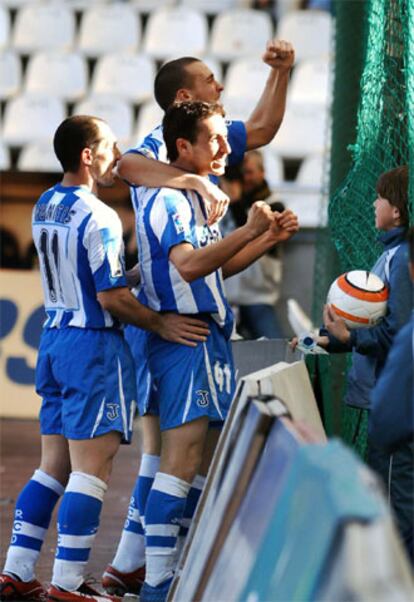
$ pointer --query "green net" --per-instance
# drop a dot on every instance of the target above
(376, 137)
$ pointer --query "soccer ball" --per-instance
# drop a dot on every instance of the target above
(359, 297)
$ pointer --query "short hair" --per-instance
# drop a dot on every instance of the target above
(170, 78)
(182, 120)
(393, 186)
(72, 136)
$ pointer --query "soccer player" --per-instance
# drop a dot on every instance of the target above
(179, 80)
(181, 256)
(85, 372)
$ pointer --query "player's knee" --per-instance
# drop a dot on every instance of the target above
(185, 464)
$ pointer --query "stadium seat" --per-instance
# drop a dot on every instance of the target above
(240, 32)
(237, 107)
(303, 131)
(307, 198)
(81, 5)
(129, 76)
(274, 169)
(246, 77)
(148, 6)
(117, 112)
(309, 31)
(15, 3)
(42, 26)
(4, 157)
(4, 27)
(175, 31)
(38, 156)
(10, 74)
(150, 115)
(210, 7)
(60, 74)
(28, 118)
(311, 82)
(109, 28)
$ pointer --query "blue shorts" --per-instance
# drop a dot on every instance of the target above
(137, 340)
(86, 378)
(192, 382)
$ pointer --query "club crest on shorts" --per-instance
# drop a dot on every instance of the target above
(112, 412)
(202, 398)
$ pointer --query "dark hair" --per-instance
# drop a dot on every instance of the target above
(410, 238)
(72, 136)
(393, 186)
(170, 78)
(182, 121)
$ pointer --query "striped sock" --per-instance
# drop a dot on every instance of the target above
(33, 512)
(190, 507)
(165, 508)
(130, 553)
(78, 522)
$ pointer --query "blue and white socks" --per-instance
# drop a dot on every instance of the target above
(190, 507)
(165, 508)
(33, 512)
(78, 521)
(130, 554)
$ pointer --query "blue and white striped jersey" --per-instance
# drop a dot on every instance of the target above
(79, 242)
(165, 218)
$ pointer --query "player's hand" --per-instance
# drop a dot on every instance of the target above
(259, 218)
(284, 225)
(279, 55)
(217, 201)
(335, 325)
(183, 329)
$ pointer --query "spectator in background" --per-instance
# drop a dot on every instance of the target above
(256, 290)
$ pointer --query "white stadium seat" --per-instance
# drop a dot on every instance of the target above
(42, 26)
(309, 31)
(4, 157)
(150, 115)
(10, 74)
(274, 169)
(210, 7)
(129, 76)
(308, 199)
(238, 107)
(15, 3)
(109, 28)
(28, 118)
(246, 77)
(240, 32)
(311, 82)
(38, 156)
(81, 5)
(4, 27)
(61, 74)
(115, 111)
(176, 31)
(148, 6)
(303, 131)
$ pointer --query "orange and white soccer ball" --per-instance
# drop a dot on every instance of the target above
(359, 297)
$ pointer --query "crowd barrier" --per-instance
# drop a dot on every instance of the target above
(283, 510)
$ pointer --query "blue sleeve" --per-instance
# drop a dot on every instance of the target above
(151, 145)
(391, 420)
(106, 257)
(171, 220)
(377, 340)
(237, 138)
